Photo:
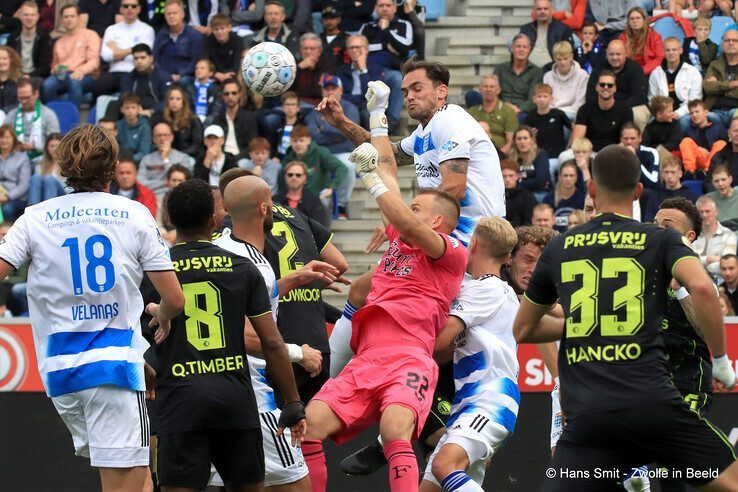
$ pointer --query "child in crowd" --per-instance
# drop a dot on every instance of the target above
(204, 93)
(134, 131)
(664, 128)
(566, 196)
(109, 125)
(591, 53)
(703, 139)
(260, 164)
(548, 122)
(292, 117)
(670, 176)
(699, 51)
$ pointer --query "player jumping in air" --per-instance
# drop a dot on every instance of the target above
(621, 408)
(88, 253)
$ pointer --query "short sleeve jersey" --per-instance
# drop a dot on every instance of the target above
(294, 242)
(452, 133)
(611, 276)
(414, 289)
(88, 252)
(203, 380)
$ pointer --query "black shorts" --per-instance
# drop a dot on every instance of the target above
(597, 450)
(441, 408)
(184, 458)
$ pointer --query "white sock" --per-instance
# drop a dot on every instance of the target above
(459, 481)
(340, 341)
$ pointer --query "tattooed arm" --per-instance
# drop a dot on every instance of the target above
(453, 176)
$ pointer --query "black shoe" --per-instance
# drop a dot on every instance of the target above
(365, 461)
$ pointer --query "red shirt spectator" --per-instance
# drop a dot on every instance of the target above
(125, 184)
(645, 45)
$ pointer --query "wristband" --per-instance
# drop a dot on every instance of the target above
(720, 361)
(292, 414)
(378, 123)
(374, 184)
(295, 352)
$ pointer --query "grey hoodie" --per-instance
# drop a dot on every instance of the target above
(15, 174)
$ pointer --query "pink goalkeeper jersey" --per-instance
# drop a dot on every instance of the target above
(414, 290)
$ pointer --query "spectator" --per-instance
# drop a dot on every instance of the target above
(10, 72)
(390, 40)
(576, 217)
(726, 308)
(297, 196)
(332, 38)
(724, 196)
(186, 126)
(49, 17)
(676, 79)
(566, 196)
(146, 80)
(215, 162)
(33, 44)
(8, 18)
(259, 163)
(699, 51)
(127, 185)
(519, 202)
(238, 123)
(567, 80)
(310, 68)
(544, 32)
(500, 118)
(534, 174)
(729, 154)
(110, 125)
(354, 13)
(610, 17)
(729, 273)
(643, 44)
(548, 123)
(326, 173)
(177, 46)
(223, 47)
(76, 58)
(176, 175)
(630, 136)
(336, 142)
(414, 13)
(572, 15)
(154, 167)
(245, 15)
(591, 53)
(204, 93)
(15, 176)
(702, 140)
(518, 77)
(600, 121)
(98, 15)
(32, 121)
(670, 172)
(117, 47)
(664, 129)
(709, 8)
(275, 29)
(582, 155)
(289, 118)
(543, 216)
(715, 240)
(134, 131)
(632, 84)
(356, 75)
(721, 80)
(199, 14)
(47, 182)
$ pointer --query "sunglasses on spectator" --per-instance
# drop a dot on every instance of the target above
(295, 175)
(605, 85)
(129, 5)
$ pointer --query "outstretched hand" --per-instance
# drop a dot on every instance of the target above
(331, 110)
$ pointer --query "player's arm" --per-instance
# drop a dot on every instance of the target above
(308, 357)
(172, 299)
(453, 177)
(579, 131)
(444, 350)
(315, 270)
(550, 355)
(532, 326)
(5, 269)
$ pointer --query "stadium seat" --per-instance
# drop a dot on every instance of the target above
(92, 116)
(434, 9)
(720, 24)
(668, 27)
(693, 184)
(67, 113)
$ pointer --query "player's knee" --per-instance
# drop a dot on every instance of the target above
(449, 460)
(398, 422)
(319, 417)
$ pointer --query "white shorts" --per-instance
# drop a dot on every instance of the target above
(283, 462)
(480, 445)
(556, 419)
(109, 425)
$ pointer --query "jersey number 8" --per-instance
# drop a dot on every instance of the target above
(204, 325)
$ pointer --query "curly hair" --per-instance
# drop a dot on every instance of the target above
(686, 207)
(190, 205)
(87, 157)
(16, 67)
(539, 236)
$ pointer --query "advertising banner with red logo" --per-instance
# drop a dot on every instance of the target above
(535, 377)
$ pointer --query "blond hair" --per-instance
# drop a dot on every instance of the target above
(582, 144)
(562, 48)
(496, 236)
(87, 157)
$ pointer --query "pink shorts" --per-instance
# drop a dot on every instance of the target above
(378, 378)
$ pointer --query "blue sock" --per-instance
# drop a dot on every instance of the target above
(349, 310)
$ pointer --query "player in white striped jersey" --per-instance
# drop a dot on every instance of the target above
(88, 253)
(485, 408)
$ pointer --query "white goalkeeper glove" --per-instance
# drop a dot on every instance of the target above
(722, 370)
(365, 157)
(377, 99)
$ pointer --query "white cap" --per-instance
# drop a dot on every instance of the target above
(213, 130)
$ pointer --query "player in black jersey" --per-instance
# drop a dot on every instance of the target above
(611, 276)
(207, 410)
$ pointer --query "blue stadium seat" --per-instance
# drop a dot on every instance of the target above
(92, 116)
(668, 27)
(720, 24)
(67, 113)
(693, 184)
(434, 9)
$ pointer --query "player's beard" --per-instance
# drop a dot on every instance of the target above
(268, 222)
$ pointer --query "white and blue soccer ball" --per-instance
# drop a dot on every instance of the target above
(269, 69)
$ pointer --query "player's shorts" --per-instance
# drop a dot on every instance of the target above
(557, 419)
(378, 378)
(184, 458)
(284, 462)
(109, 425)
(440, 409)
(478, 436)
(698, 401)
(616, 441)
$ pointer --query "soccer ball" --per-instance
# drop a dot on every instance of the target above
(269, 69)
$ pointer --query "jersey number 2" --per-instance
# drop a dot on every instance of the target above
(204, 325)
(93, 263)
(585, 299)
(288, 251)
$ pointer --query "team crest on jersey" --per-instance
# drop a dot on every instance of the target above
(454, 242)
(449, 146)
(423, 144)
